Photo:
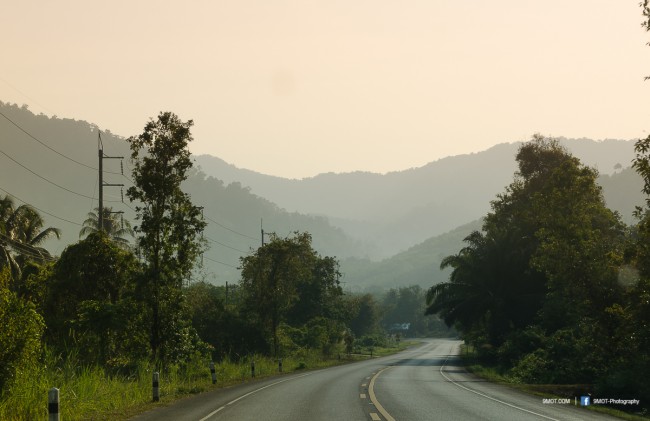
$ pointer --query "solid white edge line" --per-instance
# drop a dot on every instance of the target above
(211, 414)
(250, 393)
(489, 397)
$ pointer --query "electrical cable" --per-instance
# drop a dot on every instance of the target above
(231, 230)
(51, 182)
(93, 198)
(217, 261)
(40, 210)
(51, 148)
(225, 245)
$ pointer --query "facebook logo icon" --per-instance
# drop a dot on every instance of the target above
(585, 400)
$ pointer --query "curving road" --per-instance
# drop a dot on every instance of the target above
(423, 383)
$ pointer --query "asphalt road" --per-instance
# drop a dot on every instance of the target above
(423, 383)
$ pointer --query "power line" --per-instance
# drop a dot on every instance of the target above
(225, 245)
(222, 263)
(231, 230)
(95, 169)
(93, 198)
(51, 182)
(92, 202)
(40, 210)
(27, 96)
(51, 148)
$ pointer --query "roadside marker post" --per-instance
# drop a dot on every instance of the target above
(280, 365)
(53, 404)
(155, 387)
(213, 372)
(253, 368)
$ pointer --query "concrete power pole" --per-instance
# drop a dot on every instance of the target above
(100, 154)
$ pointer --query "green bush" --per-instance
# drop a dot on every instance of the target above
(20, 336)
(519, 344)
(372, 340)
(533, 368)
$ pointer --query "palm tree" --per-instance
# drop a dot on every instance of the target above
(116, 228)
(21, 236)
(467, 296)
(491, 288)
(7, 257)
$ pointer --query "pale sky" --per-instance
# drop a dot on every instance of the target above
(296, 88)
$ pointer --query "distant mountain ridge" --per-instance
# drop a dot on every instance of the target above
(393, 211)
(63, 186)
(387, 230)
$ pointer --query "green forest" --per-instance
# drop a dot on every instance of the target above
(123, 301)
(555, 289)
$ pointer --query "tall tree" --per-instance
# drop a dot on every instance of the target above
(549, 245)
(287, 278)
(169, 224)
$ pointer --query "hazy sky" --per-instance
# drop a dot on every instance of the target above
(295, 88)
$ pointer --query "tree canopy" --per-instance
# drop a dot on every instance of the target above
(286, 280)
(169, 224)
(547, 257)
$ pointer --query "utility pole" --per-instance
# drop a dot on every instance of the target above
(262, 231)
(202, 219)
(100, 154)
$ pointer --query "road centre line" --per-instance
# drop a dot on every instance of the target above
(250, 393)
(373, 398)
(489, 397)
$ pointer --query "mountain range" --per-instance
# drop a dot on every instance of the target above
(387, 229)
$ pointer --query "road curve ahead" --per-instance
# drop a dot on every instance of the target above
(423, 383)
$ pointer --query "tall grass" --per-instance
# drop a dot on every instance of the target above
(93, 392)
(85, 392)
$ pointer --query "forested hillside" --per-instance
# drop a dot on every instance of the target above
(109, 312)
(419, 265)
(397, 210)
(406, 217)
(63, 184)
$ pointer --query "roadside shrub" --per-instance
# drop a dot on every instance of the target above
(519, 344)
(20, 336)
(372, 340)
(533, 368)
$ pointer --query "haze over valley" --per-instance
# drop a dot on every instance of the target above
(387, 229)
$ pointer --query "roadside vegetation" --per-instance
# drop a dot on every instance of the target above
(124, 301)
(98, 392)
(496, 374)
(553, 293)
(554, 290)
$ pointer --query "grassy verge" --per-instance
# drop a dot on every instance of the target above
(377, 351)
(92, 392)
(496, 375)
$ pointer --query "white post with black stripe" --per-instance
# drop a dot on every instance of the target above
(280, 365)
(155, 387)
(213, 372)
(53, 404)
